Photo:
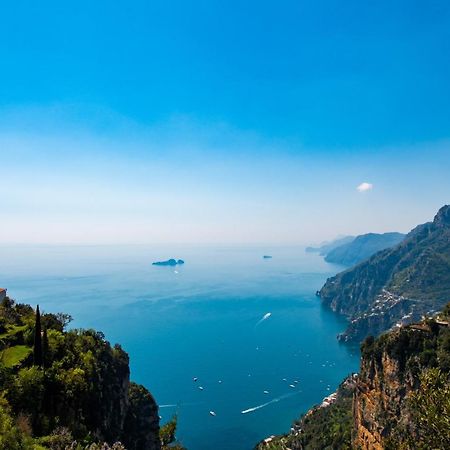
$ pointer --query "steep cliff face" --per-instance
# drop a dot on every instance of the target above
(89, 392)
(385, 413)
(141, 427)
(397, 285)
(378, 402)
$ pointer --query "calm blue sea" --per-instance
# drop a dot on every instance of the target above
(202, 319)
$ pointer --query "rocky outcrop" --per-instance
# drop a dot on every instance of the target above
(114, 409)
(141, 428)
(169, 262)
(377, 402)
(391, 371)
(80, 386)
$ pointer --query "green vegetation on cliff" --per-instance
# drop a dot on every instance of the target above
(399, 401)
(403, 401)
(67, 389)
(327, 426)
(396, 285)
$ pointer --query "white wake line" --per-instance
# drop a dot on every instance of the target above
(175, 405)
(275, 400)
(265, 317)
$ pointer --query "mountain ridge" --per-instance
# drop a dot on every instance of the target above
(363, 247)
(396, 285)
(325, 247)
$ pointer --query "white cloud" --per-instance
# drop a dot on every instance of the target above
(364, 187)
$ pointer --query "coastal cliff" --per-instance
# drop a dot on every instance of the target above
(325, 426)
(399, 400)
(401, 374)
(63, 389)
(401, 397)
(395, 286)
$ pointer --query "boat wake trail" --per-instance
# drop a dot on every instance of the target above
(275, 400)
(175, 405)
(265, 317)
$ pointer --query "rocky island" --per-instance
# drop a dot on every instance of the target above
(169, 262)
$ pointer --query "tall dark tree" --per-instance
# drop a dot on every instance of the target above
(45, 349)
(37, 350)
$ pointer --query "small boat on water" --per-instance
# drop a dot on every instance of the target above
(201, 388)
(213, 413)
(292, 386)
(194, 379)
(266, 392)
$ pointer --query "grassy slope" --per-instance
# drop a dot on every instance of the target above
(13, 356)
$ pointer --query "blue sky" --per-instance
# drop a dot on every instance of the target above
(207, 121)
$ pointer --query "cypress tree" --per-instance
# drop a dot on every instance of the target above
(37, 350)
(45, 355)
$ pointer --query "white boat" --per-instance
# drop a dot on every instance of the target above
(292, 386)
(201, 388)
(213, 413)
(266, 392)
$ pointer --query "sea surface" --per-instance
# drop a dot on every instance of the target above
(205, 320)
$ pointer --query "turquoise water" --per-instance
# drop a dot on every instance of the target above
(202, 319)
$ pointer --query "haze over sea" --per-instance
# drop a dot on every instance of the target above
(201, 320)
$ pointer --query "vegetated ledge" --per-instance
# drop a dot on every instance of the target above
(399, 400)
(69, 389)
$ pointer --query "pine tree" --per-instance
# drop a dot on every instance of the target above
(37, 350)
